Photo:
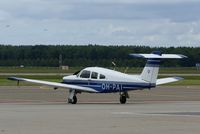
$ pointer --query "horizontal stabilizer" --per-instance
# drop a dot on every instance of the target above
(168, 80)
(156, 56)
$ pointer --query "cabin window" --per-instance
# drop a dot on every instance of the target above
(94, 75)
(102, 76)
(85, 74)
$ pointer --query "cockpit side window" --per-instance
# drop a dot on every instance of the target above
(94, 75)
(102, 76)
(85, 74)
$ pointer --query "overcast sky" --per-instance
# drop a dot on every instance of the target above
(104, 22)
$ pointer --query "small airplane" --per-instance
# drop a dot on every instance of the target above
(102, 80)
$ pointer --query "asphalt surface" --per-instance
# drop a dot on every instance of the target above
(9, 94)
(45, 111)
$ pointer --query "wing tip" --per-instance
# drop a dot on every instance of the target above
(15, 78)
(178, 78)
(12, 78)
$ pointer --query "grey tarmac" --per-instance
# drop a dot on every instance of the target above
(166, 109)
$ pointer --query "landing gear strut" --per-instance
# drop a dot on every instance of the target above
(72, 97)
(123, 97)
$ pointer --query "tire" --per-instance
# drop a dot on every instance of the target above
(122, 99)
(74, 101)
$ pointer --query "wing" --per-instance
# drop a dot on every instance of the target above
(167, 80)
(55, 84)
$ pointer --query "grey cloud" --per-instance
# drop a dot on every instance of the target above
(178, 12)
(174, 12)
(100, 22)
(68, 10)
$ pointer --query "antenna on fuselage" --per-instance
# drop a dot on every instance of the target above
(113, 63)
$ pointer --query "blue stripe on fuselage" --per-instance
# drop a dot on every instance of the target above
(109, 86)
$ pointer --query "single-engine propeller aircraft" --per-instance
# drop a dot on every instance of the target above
(102, 80)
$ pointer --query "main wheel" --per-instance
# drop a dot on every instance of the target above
(122, 99)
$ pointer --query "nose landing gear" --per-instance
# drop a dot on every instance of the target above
(72, 97)
(73, 100)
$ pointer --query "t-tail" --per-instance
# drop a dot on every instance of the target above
(151, 69)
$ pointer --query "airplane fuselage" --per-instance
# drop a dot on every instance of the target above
(114, 82)
(109, 86)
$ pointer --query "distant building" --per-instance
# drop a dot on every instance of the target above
(65, 67)
(198, 66)
(22, 66)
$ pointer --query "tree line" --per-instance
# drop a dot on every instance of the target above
(90, 55)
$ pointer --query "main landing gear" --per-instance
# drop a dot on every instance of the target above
(72, 97)
(123, 97)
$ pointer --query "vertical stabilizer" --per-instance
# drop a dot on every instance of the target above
(151, 69)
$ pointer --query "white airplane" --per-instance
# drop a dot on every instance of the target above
(102, 80)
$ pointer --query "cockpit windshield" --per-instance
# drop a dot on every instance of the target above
(77, 72)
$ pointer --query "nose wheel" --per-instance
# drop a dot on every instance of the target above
(73, 100)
